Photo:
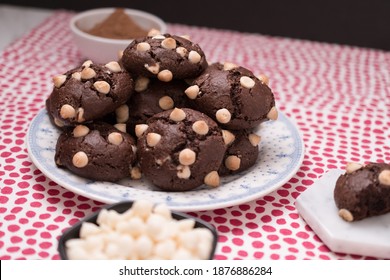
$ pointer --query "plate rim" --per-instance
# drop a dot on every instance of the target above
(236, 200)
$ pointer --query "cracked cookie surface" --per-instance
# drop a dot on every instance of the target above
(88, 93)
(363, 191)
(96, 151)
(153, 97)
(165, 57)
(180, 149)
(232, 96)
(242, 151)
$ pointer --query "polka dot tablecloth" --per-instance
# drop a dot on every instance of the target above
(339, 96)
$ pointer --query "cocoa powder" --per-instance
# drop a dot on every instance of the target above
(118, 25)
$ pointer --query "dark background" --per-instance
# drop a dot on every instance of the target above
(358, 23)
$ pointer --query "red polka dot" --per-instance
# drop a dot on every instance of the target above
(237, 231)
(226, 249)
(308, 245)
(13, 228)
(242, 253)
(258, 255)
(257, 244)
(235, 222)
(28, 251)
(16, 239)
(45, 245)
(255, 234)
(13, 249)
(268, 228)
(238, 241)
(266, 219)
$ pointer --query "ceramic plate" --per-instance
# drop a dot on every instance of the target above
(280, 155)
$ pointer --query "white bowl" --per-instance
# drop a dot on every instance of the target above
(103, 50)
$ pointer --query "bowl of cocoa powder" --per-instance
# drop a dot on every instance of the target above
(101, 34)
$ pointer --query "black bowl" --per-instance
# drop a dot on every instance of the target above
(121, 207)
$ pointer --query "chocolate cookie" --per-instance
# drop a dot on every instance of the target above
(363, 191)
(232, 96)
(242, 151)
(151, 97)
(88, 93)
(96, 151)
(165, 56)
(180, 149)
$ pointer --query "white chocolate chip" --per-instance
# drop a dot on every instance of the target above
(142, 208)
(115, 138)
(88, 229)
(114, 66)
(58, 122)
(102, 86)
(143, 47)
(166, 102)
(88, 73)
(153, 32)
(223, 115)
(160, 161)
(192, 92)
(158, 37)
(87, 63)
(80, 115)
(168, 43)
(67, 111)
(165, 249)
(135, 173)
(194, 57)
(186, 36)
(212, 179)
(59, 80)
(80, 131)
(162, 210)
(177, 115)
(154, 69)
(183, 172)
(254, 139)
(76, 76)
(352, 167)
(273, 114)
(264, 79)
(165, 75)
(122, 113)
(80, 159)
(200, 127)
(120, 54)
(187, 156)
(247, 82)
(229, 66)
(232, 163)
(140, 129)
(143, 247)
(384, 177)
(121, 127)
(186, 224)
(141, 84)
(346, 215)
(152, 139)
(228, 137)
(182, 51)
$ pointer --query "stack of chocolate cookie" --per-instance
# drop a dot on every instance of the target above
(160, 111)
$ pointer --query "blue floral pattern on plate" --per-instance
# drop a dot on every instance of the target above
(281, 153)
